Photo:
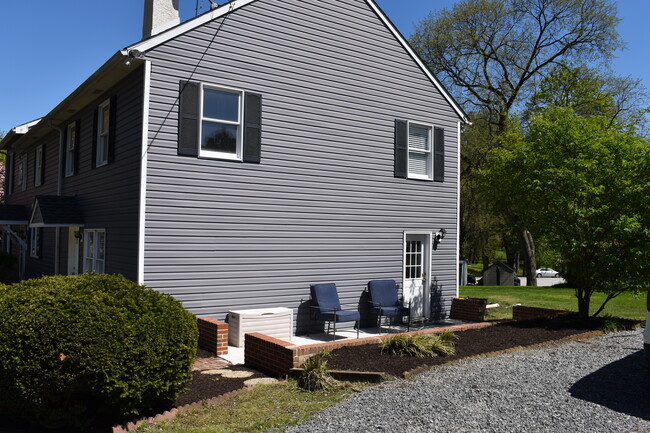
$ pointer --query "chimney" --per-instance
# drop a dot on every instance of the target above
(159, 15)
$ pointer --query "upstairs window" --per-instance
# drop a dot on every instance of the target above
(419, 153)
(22, 172)
(71, 143)
(221, 123)
(103, 130)
(39, 166)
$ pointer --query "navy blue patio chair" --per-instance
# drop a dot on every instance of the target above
(325, 300)
(385, 302)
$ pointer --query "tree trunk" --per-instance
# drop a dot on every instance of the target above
(528, 251)
(584, 298)
(512, 252)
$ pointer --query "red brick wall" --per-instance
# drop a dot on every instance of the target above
(213, 335)
(276, 357)
(520, 312)
(468, 309)
(268, 354)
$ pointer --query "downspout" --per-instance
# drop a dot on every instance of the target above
(59, 188)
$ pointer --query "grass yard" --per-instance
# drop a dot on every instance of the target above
(265, 408)
(626, 306)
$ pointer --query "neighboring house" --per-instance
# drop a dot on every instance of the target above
(234, 159)
(499, 274)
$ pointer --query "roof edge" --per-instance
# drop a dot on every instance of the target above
(402, 40)
(233, 5)
(186, 26)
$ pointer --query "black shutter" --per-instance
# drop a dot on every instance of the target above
(439, 155)
(252, 128)
(401, 148)
(93, 161)
(112, 116)
(77, 143)
(188, 119)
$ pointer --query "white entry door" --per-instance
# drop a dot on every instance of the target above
(73, 251)
(416, 274)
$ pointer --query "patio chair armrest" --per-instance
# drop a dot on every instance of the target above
(323, 308)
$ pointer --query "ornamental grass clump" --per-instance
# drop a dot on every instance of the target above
(91, 350)
(420, 345)
(316, 375)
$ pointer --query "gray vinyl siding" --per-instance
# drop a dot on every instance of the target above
(109, 195)
(323, 205)
(44, 264)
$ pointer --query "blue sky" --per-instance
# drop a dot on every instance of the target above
(50, 48)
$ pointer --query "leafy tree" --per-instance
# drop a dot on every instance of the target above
(490, 53)
(590, 92)
(584, 185)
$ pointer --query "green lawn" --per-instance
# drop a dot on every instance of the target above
(625, 306)
(265, 408)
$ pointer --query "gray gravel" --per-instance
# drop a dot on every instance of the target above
(595, 385)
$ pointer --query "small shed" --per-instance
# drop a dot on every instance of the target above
(499, 274)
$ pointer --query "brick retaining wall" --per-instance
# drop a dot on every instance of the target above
(468, 309)
(213, 335)
(277, 357)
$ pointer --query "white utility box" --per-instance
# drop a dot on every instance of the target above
(274, 322)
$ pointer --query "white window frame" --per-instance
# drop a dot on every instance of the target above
(38, 166)
(35, 242)
(429, 175)
(71, 138)
(237, 156)
(103, 132)
(22, 172)
(91, 260)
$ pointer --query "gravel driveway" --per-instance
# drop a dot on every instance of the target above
(594, 385)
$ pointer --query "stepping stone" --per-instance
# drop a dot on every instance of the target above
(236, 374)
(260, 381)
(229, 374)
(212, 372)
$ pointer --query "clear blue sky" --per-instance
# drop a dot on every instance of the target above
(50, 47)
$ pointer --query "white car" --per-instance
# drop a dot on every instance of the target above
(547, 272)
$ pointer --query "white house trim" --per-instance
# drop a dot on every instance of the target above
(417, 60)
(458, 210)
(178, 30)
(143, 170)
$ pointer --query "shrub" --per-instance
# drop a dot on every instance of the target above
(91, 349)
(420, 345)
(316, 375)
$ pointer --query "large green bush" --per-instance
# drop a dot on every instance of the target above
(90, 350)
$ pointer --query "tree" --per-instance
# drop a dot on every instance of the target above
(590, 92)
(584, 185)
(490, 53)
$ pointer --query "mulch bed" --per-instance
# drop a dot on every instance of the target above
(203, 386)
(469, 343)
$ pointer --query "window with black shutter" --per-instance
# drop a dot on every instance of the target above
(221, 123)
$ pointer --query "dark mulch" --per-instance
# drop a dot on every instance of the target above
(204, 387)
(469, 343)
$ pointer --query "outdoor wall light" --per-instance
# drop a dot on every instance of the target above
(78, 234)
(438, 237)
